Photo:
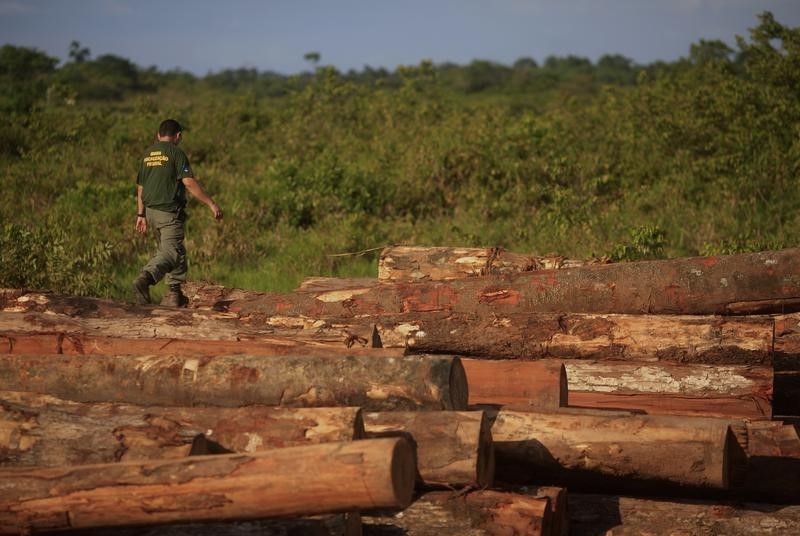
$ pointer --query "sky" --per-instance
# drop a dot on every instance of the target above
(202, 35)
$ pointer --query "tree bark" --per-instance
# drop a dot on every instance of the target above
(372, 382)
(477, 513)
(763, 282)
(584, 448)
(684, 339)
(376, 473)
(454, 448)
(403, 263)
(618, 516)
(538, 384)
(667, 389)
(102, 318)
(41, 430)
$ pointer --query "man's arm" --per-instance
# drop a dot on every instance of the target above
(141, 221)
(197, 191)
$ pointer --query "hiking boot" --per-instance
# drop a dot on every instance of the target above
(175, 298)
(141, 288)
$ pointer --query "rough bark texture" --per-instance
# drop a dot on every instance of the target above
(328, 525)
(403, 263)
(539, 384)
(660, 388)
(454, 449)
(376, 473)
(40, 430)
(50, 313)
(372, 382)
(684, 339)
(787, 342)
(749, 283)
(588, 447)
(592, 515)
(478, 513)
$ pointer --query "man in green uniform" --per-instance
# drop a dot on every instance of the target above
(164, 176)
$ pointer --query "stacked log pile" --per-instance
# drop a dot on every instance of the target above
(463, 391)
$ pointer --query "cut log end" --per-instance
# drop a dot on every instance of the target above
(459, 390)
(403, 472)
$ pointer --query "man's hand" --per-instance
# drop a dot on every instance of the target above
(141, 224)
(216, 211)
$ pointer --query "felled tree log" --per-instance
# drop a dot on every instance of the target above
(477, 513)
(454, 448)
(327, 525)
(539, 384)
(618, 516)
(372, 382)
(667, 389)
(76, 343)
(584, 448)
(41, 430)
(684, 339)
(376, 473)
(109, 319)
(404, 263)
(737, 284)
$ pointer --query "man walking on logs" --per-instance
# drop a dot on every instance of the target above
(163, 178)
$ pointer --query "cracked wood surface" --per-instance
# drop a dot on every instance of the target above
(372, 382)
(41, 430)
(375, 473)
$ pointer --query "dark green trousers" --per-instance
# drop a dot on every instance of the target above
(170, 258)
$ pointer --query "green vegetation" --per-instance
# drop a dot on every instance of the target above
(585, 159)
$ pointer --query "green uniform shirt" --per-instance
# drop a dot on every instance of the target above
(160, 173)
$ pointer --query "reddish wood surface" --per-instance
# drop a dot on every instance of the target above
(376, 473)
(756, 282)
(539, 384)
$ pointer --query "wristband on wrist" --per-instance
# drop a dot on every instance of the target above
(140, 215)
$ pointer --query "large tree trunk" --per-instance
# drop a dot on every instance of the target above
(684, 339)
(477, 513)
(404, 263)
(616, 450)
(315, 479)
(77, 343)
(539, 384)
(667, 389)
(40, 430)
(372, 382)
(591, 515)
(101, 318)
(454, 449)
(748, 283)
